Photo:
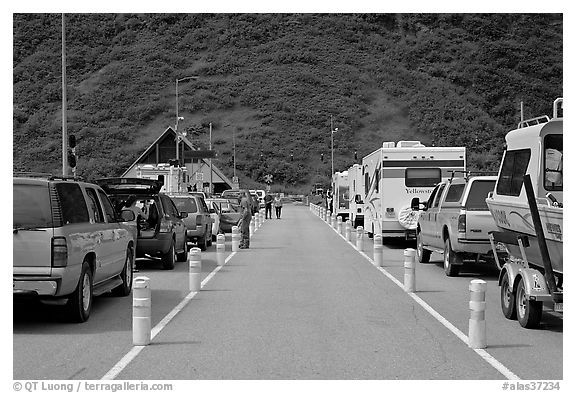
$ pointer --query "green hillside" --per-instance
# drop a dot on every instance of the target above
(272, 81)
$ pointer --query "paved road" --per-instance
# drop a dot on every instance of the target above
(302, 303)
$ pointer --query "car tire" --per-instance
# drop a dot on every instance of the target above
(507, 299)
(169, 259)
(202, 243)
(126, 276)
(182, 256)
(529, 312)
(452, 260)
(79, 302)
(209, 239)
(422, 254)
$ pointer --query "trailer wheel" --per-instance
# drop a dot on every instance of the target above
(529, 311)
(508, 299)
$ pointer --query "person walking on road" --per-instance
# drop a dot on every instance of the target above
(268, 199)
(278, 205)
(246, 204)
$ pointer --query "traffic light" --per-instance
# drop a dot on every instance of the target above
(322, 157)
(72, 159)
(355, 155)
(291, 157)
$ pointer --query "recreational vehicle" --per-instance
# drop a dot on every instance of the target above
(356, 187)
(340, 194)
(394, 174)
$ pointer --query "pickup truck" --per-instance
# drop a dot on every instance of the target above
(455, 222)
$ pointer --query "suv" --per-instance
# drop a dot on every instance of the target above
(455, 222)
(198, 223)
(68, 243)
(161, 231)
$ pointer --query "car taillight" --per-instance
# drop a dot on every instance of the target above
(462, 223)
(59, 252)
(198, 220)
(166, 225)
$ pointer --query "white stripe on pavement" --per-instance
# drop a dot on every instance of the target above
(483, 354)
(125, 361)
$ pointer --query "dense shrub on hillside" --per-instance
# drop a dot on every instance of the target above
(459, 79)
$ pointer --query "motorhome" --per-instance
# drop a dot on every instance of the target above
(396, 173)
(340, 194)
(175, 179)
(356, 187)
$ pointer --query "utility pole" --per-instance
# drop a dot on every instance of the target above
(64, 129)
(210, 148)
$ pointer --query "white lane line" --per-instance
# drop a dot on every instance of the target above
(131, 355)
(481, 352)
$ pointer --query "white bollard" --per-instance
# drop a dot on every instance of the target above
(262, 218)
(348, 230)
(220, 249)
(141, 311)
(477, 322)
(378, 251)
(409, 270)
(235, 239)
(333, 221)
(194, 269)
(360, 238)
(256, 221)
(339, 224)
(252, 228)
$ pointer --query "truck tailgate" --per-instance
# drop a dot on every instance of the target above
(478, 224)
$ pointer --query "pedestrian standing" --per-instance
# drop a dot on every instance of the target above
(278, 205)
(268, 199)
(246, 204)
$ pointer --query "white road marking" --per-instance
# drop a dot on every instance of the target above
(481, 352)
(131, 355)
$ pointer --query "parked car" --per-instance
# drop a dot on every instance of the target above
(198, 223)
(235, 195)
(200, 193)
(161, 231)
(228, 211)
(455, 222)
(68, 243)
(260, 194)
(214, 216)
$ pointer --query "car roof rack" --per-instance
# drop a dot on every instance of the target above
(468, 174)
(45, 175)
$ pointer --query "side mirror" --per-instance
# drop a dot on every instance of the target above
(183, 214)
(212, 211)
(415, 204)
(358, 199)
(127, 215)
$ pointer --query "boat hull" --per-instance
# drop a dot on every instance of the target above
(516, 218)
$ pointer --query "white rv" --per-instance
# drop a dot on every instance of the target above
(340, 194)
(175, 178)
(356, 187)
(393, 175)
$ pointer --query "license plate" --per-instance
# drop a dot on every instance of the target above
(559, 307)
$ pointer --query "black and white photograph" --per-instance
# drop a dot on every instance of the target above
(326, 197)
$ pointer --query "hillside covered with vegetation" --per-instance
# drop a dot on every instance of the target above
(271, 82)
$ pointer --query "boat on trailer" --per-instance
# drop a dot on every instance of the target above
(527, 207)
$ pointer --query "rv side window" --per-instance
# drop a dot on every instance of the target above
(422, 177)
(513, 171)
(553, 150)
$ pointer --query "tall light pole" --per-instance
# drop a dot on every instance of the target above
(64, 129)
(179, 117)
(332, 131)
(210, 148)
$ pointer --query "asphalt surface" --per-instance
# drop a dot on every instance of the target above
(301, 303)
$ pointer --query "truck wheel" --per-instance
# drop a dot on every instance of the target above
(422, 254)
(452, 260)
(126, 276)
(80, 301)
(507, 299)
(169, 259)
(529, 311)
(209, 238)
(202, 243)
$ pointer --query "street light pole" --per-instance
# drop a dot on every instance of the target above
(178, 117)
(210, 148)
(64, 127)
(332, 131)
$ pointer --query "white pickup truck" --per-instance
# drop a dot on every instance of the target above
(455, 222)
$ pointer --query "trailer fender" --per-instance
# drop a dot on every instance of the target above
(534, 282)
(512, 271)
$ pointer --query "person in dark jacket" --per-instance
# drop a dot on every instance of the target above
(268, 199)
(246, 204)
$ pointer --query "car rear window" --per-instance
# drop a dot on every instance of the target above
(455, 192)
(31, 206)
(72, 203)
(187, 205)
(478, 193)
